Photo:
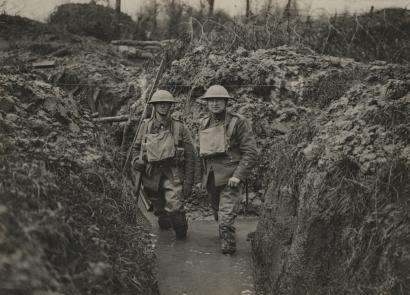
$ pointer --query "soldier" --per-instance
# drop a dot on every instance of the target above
(228, 149)
(165, 145)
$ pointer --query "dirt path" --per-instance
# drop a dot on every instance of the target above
(196, 266)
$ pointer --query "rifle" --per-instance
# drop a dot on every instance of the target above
(139, 164)
(246, 196)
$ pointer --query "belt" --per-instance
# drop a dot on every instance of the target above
(216, 157)
(165, 164)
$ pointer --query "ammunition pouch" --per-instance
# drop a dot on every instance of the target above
(180, 154)
(139, 165)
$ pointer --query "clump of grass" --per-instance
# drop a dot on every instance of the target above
(371, 209)
(389, 116)
(329, 87)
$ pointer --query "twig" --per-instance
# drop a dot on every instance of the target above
(161, 43)
(327, 38)
(353, 36)
(121, 118)
(227, 29)
(200, 25)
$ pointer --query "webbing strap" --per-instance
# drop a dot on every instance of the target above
(147, 125)
(176, 126)
(231, 126)
(205, 122)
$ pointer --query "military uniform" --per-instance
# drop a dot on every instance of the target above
(238, 161)
(166, 182)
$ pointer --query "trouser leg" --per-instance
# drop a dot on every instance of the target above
(225, 202)
(228, 209)
(158, 202)
(213, 195)
(172, 195)
(172, 188)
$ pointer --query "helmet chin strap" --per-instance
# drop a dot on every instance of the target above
(161, 116)
(223, 113)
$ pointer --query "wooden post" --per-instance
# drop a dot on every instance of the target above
(248, 8)
(118, 6)
(268, 9)
(287, 13)
(211, 7)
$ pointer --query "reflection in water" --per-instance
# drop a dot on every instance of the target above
(196, 266)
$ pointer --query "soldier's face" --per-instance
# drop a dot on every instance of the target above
(216, 105)
(163, 108)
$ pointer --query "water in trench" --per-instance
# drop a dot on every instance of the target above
(196, 266)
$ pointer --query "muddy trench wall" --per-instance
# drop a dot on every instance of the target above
(67, 227)
(336, 212)
(335, 154)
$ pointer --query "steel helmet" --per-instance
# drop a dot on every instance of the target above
(216, 91)
(162, 96)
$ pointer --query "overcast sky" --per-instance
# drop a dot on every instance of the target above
(40, 9)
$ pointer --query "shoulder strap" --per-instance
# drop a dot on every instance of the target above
(176, 126)
(143, 129)
(204, 122)
(146, 128)
(231, 126)
(149, 125)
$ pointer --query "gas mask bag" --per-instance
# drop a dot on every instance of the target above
(212, 141)
(160, 146)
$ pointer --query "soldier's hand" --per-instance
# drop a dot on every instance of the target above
(233, 181)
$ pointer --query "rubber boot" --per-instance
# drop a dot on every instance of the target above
(228, 241)
(180, 225)
(164, 221)
(215, 215)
